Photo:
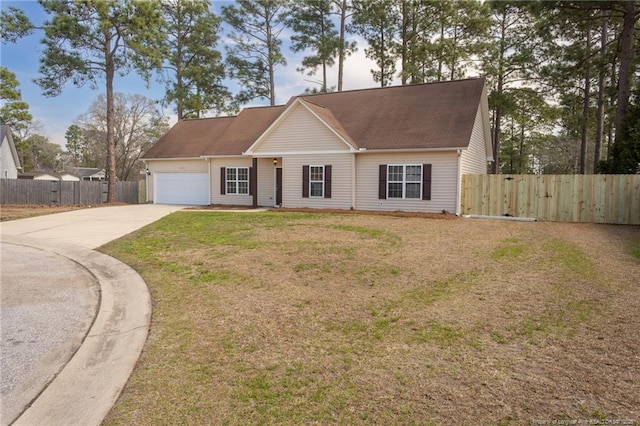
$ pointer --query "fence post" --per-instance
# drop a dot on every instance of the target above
(55, 193)
(104, 191)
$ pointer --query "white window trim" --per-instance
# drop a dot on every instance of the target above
(404, 181)
(237, 181)
(311, 181)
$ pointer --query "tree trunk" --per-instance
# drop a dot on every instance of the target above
(270, 65)
(179, 86)
(613, 80)
(496, 132)
(597, 152)
(111, 140)
(626, 68)
(382, 55)
(440, 52)
(341, 54)
(324, 61)
(405, 42)
(584, 128)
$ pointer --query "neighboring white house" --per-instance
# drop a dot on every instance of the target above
(89, 173)
(9, 160)
(394, 148)
(66, 176)
(37, 175)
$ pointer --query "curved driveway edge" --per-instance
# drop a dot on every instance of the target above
(89, 384)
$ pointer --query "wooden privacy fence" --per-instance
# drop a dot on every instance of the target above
(23, 191)
(556, 198)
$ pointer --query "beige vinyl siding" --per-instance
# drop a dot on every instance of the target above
(298, 132)
(173, 166)
(341, 181)
(474, 158)
(266, 182)
(7, 162)
(443, 181)
(228, 199)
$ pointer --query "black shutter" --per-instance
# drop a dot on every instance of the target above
(305, 181)
(327, 181)
(252, 180)
(223, 180)
(426, 181)
(382, 184)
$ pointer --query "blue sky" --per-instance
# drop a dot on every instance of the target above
(55, 115)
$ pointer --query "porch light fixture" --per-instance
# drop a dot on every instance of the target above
(275, 161)
(148, 171)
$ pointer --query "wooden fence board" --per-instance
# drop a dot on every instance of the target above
(24, 191)
(557, 198)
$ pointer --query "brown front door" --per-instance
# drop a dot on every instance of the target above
(278, 186)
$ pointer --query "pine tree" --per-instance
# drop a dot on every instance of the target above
(86, 42)
(194, 71)
(257, 48)
(375, 20)
(508, 60)
(14, 111)
(315, 32)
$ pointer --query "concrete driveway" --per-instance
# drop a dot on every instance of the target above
(89, 228)
(74, 320)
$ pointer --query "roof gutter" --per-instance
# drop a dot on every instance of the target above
(145, 159)
(209, 156)
(383, 150)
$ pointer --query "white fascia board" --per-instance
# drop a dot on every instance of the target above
(484, 105)
(206, 157)
(391, 151)
(287, 153)
(171, 158)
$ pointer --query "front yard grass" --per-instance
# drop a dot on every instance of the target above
(310, 318)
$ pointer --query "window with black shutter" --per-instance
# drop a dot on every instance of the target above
(404, 181)
(234, 180)
(316, 181)
(223, 180)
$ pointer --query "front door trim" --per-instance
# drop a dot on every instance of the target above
(277, 186)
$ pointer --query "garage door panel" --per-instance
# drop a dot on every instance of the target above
(181, 188)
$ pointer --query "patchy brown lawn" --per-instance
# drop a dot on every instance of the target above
(299, 318)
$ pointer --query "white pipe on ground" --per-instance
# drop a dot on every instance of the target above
(513, 218)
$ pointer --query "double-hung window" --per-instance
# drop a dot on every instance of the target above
(404, 181)
(237, 180)
(316, 181)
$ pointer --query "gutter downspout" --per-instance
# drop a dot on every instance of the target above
(147, 175)
(353, 181)
(209, 167)
(253, 180)
(459, 184)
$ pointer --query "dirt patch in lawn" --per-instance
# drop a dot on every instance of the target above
(298, 318)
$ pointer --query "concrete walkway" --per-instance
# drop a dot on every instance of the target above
(90, 369)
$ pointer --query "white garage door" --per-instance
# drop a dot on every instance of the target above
(181, 188)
